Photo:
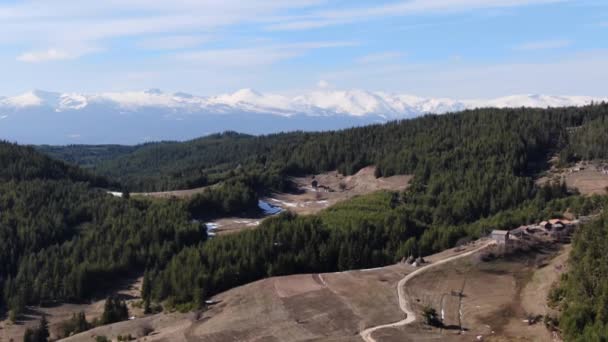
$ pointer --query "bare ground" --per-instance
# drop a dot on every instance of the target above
(497, 297)
(129, 291)
(586, 176)
(310, 307)
(332, 188)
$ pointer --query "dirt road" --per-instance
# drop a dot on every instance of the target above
(403, 303)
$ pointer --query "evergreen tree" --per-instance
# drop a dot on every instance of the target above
(115, 310)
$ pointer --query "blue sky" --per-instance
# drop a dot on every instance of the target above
(451, 48)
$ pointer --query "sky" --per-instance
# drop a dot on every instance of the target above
(436, 48)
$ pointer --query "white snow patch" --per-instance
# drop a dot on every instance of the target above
(268, 208)
(211, 226)
(115, 193)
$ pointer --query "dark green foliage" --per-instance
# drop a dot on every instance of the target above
(164, 165)
(232, 197)
(146, 292)
(61, 239)
(484, 157)
(114, 310)
(87, 156)
(38, 334)
(77, 324)
(19, 163)
(584, 292)
(431, 317)
(361, 233)
(588, 142)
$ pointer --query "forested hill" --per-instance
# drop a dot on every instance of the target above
(589, 141)
(163, 165)
(408, 146)
(582, 294)
(62, 238)
(18, 163)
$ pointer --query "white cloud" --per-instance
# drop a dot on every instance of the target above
(381, 57)
(237, 57)
(578, 74)
(43, 56)
(54, 54)
(255, 56)
(401, 8)
(323, 84)
(58, 21)
(544, 45)
(172, 42)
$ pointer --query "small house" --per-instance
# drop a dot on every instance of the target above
(500, 236)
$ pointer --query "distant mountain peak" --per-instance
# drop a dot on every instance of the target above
(355, 102)
(40, 116)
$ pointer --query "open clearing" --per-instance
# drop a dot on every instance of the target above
(171, 194)
(130, 291)
(589, 178)
(496, 297)
(588, 182)
(332, 188)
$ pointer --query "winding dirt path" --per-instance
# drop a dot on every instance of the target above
(404, 304)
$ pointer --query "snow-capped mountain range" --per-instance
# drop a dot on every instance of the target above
(132, 117)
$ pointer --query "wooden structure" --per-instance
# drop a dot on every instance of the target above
(500, 236)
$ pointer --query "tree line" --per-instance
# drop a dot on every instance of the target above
(62, 238)
(582, 294)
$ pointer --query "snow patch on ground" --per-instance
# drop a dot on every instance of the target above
(115, 193)
(268, 208)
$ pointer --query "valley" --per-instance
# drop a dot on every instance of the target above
(348, 235)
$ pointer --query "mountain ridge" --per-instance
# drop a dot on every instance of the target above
(354, 102)
(132, 117)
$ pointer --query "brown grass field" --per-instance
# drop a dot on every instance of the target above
(496, 297)
(129, 290)
(589, 180)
